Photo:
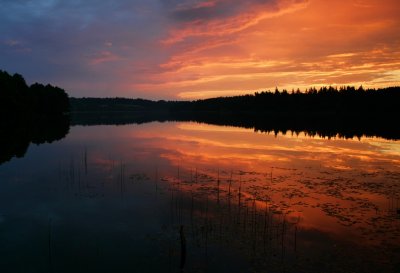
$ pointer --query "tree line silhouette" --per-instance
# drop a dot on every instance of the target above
(342, 101)
(36, 113)
(117, 105)
(18, 98)
(29, 114)
(346, 100)
(328, 112)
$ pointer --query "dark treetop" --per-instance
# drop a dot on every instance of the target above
(36, 113)
(29, 114)
(20, 99)
(345, 112)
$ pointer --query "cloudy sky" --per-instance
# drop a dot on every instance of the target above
(187, 49)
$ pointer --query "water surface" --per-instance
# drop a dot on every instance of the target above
(171, 197)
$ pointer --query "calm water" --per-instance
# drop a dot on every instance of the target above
(187, 197)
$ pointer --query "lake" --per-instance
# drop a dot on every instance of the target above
(192, 197)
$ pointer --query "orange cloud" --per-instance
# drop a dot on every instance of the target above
(288, 44)
(234, 24)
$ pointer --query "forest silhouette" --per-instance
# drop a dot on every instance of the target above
(29, 114)
(326, 101)
(346, 112)
(346, 100)
(43, 113)
(17, 98)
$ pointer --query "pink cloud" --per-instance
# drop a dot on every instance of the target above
(103, 57)
(294, 44)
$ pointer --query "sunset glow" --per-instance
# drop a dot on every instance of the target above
(274, 165)
(187, 49)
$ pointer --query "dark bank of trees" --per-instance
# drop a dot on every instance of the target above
(346, 112)
(117, 105)
(118, 111)
(19, 99)
(29, 114)
(344, 101)
(326, 101)
(328, 112)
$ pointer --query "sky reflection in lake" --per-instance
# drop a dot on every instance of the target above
(116, 196)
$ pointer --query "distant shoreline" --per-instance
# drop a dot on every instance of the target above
(322, 126)
(326, 100)
(328, 112)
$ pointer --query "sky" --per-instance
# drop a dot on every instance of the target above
(191, 49)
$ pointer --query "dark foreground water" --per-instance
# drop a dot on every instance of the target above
(187, 197)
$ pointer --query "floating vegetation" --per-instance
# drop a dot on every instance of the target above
(189, 216)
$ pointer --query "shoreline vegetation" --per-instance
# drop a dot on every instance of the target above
(18, 100)
(30, 114)
(44, 113)
(344, 112)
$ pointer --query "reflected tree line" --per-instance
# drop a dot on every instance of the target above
(346, 112)
(29, 114)
(43, 113)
